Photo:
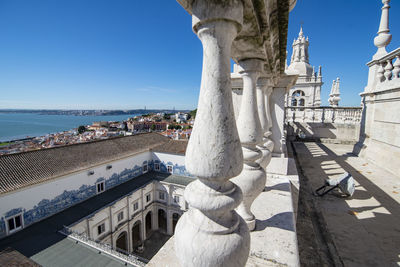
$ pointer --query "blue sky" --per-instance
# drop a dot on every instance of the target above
(124, 54)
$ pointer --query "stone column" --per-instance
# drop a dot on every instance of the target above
(252, 178)
(211, 233)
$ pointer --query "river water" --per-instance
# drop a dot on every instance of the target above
(21, 125)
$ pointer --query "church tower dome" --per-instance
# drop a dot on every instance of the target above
(307, 90)
(299, 63)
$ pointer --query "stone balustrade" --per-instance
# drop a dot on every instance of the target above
(301, 79)
(380, 126)
(389, 69)
(104, 248)
(253, 33)
(346, 115)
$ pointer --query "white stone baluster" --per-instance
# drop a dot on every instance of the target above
(380, 72)
(388, 70)
(269, 144)
(396, 69)
(252, 178)
(211, 233)
(261, 87)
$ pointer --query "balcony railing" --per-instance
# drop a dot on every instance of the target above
(389, 69)
(347, 115)
(104, 248)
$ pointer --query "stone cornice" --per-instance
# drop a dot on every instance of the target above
(264, 32)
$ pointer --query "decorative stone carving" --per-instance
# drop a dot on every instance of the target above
(334, 96)
(252, 178)
(211, 233)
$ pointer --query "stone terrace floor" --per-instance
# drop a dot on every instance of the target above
(363, 230)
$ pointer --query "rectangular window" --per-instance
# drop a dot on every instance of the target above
(157, 166)
(135, 206)
(161, 195)
(100, 187)
(176, 199)
(145, 168)
(14, 223)
(101, 228)
(170, 169)
(148, 198)
(120, 216)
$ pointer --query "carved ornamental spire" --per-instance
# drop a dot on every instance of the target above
(384, 37)
(300, 48)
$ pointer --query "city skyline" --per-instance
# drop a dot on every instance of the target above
(127, 55)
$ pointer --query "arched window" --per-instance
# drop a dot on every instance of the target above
(298, 98)
(148, 224)
(175, 218)
(298, 93)
(122, 243)
(162, 220)
(136, 234)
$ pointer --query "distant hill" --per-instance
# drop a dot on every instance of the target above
(90, 112)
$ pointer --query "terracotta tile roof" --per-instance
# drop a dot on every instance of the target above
(33, 167)
(11, 257)
(173, 147)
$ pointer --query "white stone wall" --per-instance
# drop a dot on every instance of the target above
(43, 200)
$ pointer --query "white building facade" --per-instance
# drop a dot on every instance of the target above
(126, 223)
(28, 197)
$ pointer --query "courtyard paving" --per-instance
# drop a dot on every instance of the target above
(334, 230)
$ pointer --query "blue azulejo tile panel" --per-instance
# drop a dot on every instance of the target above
(2, 227)
(68, 198)
(177, 169)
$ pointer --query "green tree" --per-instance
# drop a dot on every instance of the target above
(81, 129)
(171, 127)
(153, 127)
(193, 113)
(178, 127)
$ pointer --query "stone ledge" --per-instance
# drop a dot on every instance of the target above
(274, 241)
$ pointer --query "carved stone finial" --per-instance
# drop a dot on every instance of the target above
(384, 37)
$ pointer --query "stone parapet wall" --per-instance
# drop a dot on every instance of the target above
(325, 132)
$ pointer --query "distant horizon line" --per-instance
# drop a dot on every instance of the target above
(53, 109)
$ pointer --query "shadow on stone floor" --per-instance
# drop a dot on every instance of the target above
(153, 244)
(279, 187)
(364, 229)
(281, 220)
